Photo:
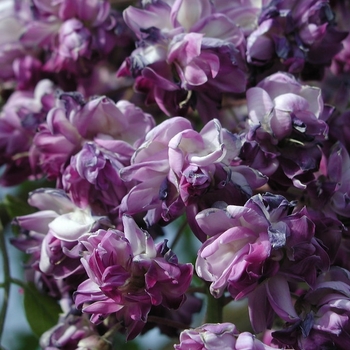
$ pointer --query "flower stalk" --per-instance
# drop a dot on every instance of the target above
(7, 280)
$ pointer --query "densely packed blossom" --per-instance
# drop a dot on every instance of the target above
(219, 336)
(183, 60)
(255, 250)
(51, 234)
(324, 313)
(288, 121)
(128, 274)
(187, 168)
(20, 117)
(295, 34)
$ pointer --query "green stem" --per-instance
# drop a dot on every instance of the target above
(19, 283)
(179, 234)
(7, 280)
(214, 309)
(167, 322)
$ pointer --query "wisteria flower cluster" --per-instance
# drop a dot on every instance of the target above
(186, 168)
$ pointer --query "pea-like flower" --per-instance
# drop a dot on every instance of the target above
(73, 34)
(223, 336)
(324, 315)
(184, 60)
(330, 192)
(287, 119)
(293, 34)
(178, 167)
(128, 273)
(255, 250)
(21, 115)
(52, 233)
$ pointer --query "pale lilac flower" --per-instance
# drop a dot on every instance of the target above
(73, 331)
(287, 119)
(184, 315)
(21, 115)
(185, 60)
(178, 167)
(223, 336)
(92, 178)
(255, 250)
(53, 232)
(128, 273)
(150, 168)
(75, 35)
(11, 25)
(245, 14)
(75, 121)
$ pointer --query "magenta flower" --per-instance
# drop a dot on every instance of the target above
(128, 274)
(287, 119)
(223, 336)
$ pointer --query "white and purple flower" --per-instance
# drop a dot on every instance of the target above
(128, 273)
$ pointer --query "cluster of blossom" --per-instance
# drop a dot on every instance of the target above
(225, 113)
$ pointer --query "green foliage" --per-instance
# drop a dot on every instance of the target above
(16, 206)
(41, 310)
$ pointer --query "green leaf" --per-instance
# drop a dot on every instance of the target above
(41, 310)
(16, 206)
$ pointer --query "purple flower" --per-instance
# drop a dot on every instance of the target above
(74, 121)
(324, 315)
(128, 274)
(12, 19)
(23, 112)
(341, 61)
(74, 35)
(201, 163)
(296, 34)
(223, 336)
(330, 191)
(53, 232)
(74, 44)
(73, 332)
(92, 179)
(255, 250)
(150, 168)
(185, 60)
(178, 167)
(287, 119)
